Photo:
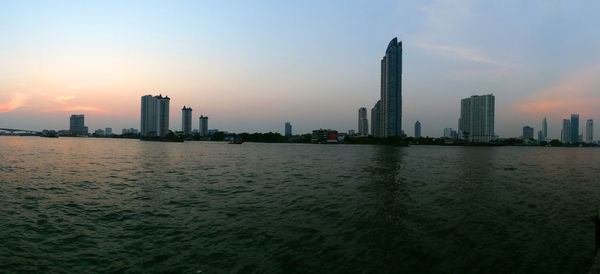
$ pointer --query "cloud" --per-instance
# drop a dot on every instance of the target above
(463, 54)
(16, 101)
(63, 98)
(577, 93)
(78, 108)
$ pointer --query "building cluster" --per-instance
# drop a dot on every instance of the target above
(386, 114)
(328, 136)
(155, 118)
(570, 131)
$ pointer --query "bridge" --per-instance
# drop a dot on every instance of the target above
(13, 130)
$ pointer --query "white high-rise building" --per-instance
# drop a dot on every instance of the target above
(476, 122)
(589, 131)
(363, 122)
(155, 115)
(203, 126)
(186, 120)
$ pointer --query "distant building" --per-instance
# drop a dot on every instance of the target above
(211, 131)
(326, 136)
(363, 122)
(375, 119)
(351, 132)
(418, 129)
(186, 120)
(545, 129)
(99, 132)
(527, 132)
(450, 133)
(565, 133)
(574, 128)
(129, 130)
(203, 126)
(476, 122)
(541, 137)
(195, 130)
(288, 129)
(155, 115)
(589, 131)
(77, 125)
(391, 90)
(108, 131)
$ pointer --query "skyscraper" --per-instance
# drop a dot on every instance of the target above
(391, 90)
(476, 122)
(589, 131)
(541, 136)
(574, 128)
(565, 133)
(155, 115)
(108, 131)
(418, 129)
(375, 117)
(186, 120)
(77, 124)
(163, 114)
(363, 123)
(288, 129)
(527, 133)
(544, 130)
(203, 125)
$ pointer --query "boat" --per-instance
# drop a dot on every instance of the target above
(236, 142)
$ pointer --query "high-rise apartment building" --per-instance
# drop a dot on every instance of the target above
(77, 125)
(108, 131)
(186, 120)
(589, 131)
(288, 129)
(155, 115)
(541, 136)
(375, 118)
(391, 90)
(565, 133)
(203, 126)
(363, 122)
(574, 128)
(527, 133)
(544, 130)
(476, 122)
(418, 129)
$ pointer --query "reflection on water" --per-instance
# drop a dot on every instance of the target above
(109, 205)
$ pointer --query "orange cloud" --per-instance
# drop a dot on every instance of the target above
(78, 108)
(17, 101)
(575, 94)
(62, 99)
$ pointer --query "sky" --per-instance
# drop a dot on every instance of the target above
(253, 65)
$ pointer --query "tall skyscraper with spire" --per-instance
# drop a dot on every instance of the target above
(544, 130)
(391, 90)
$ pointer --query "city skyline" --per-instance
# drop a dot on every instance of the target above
(446, 57)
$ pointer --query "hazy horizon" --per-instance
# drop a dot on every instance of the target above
(253, 66)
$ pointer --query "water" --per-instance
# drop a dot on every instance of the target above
(111, 205)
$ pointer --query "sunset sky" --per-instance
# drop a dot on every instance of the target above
(253, 65)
